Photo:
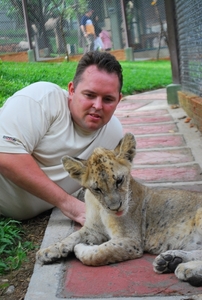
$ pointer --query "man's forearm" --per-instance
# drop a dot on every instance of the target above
(83, 30)
(22, 170)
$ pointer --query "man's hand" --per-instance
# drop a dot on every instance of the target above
(74, 209)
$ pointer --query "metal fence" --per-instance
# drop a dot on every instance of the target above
(189, 24)
(54, 25)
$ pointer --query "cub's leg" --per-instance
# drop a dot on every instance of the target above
(115, 250)
(66, 246)
(190, 272)
(168, 261)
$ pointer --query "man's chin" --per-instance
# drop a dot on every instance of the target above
(94, 126)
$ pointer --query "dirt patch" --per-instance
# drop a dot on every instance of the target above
(15, 57)
(18, 280)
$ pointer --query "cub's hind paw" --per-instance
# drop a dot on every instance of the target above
(190, 272)
(166, 262)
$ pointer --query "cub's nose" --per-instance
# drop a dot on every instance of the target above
(115, 207)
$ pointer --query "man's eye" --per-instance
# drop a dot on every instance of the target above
(108, 100)
(91, 96)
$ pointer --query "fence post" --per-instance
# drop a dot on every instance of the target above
(172, 39)
(129, 53)
(31, 54)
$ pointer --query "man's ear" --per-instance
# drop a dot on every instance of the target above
(74, 166)
(71, 88)
(126, 148)
(120, 97)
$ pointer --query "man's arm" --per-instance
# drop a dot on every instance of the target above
(83, 30)
(22, 170)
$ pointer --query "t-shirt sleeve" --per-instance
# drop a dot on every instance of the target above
(83, 20)
(23, 122)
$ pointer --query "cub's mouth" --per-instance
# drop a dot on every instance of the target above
(119, 213)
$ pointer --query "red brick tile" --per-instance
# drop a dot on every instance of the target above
(127, 279)
(160, 141)
(150, 129)
(145, 120)
(158, 157)
(126, 114)
(168, 174)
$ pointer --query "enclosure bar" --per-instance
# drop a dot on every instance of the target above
(172, 39)
(24, 5)
(124, 22)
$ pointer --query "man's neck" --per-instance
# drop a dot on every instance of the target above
(81, 131)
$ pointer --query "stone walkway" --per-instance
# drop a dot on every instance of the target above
(168, 155)
(164, 153)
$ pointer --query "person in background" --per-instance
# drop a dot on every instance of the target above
(42, 123)
(88, 31)
(106, 40)
(98, 45)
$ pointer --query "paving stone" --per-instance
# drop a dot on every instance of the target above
(160, 141)
(168, 174)
(150, 129)
(146, 120)
(127, 279)
(125, 114)
(133, 105)
(157, 157)
(148, 96)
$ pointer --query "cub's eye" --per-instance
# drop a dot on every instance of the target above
(119, 181)
(97, 190)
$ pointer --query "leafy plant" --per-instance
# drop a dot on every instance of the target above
(12, 251)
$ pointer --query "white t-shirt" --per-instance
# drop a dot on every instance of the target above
(37, 120)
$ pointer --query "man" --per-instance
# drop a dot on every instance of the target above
(88, 31)
(42, 122)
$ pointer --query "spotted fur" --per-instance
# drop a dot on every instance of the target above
(125, 218)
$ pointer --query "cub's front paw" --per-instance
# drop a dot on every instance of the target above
(166, 262)
(190, 272)
(86, 254)
(48, 255)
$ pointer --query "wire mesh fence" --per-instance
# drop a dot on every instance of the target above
(53, 27)
(190, 44)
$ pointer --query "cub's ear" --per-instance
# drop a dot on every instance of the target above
(126, 148)
(74, 166)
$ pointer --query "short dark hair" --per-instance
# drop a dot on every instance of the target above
(103, 61)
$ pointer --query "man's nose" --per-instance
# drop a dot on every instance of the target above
(97, 103)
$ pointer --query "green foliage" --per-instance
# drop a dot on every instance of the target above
(12, 251)
(138, 76)
(66, 8)
(72, 8)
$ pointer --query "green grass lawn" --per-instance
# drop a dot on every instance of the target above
(138, 76)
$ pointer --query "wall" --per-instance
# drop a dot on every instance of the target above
(192, 105)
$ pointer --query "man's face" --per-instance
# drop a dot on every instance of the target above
(94, 100)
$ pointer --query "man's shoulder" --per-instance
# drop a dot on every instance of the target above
(84, 19)
(44, 84)
(40, 87)
(115, 121)
(41, 91)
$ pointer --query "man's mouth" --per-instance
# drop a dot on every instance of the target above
(96, 116)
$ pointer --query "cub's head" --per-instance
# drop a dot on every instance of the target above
(106, 173)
